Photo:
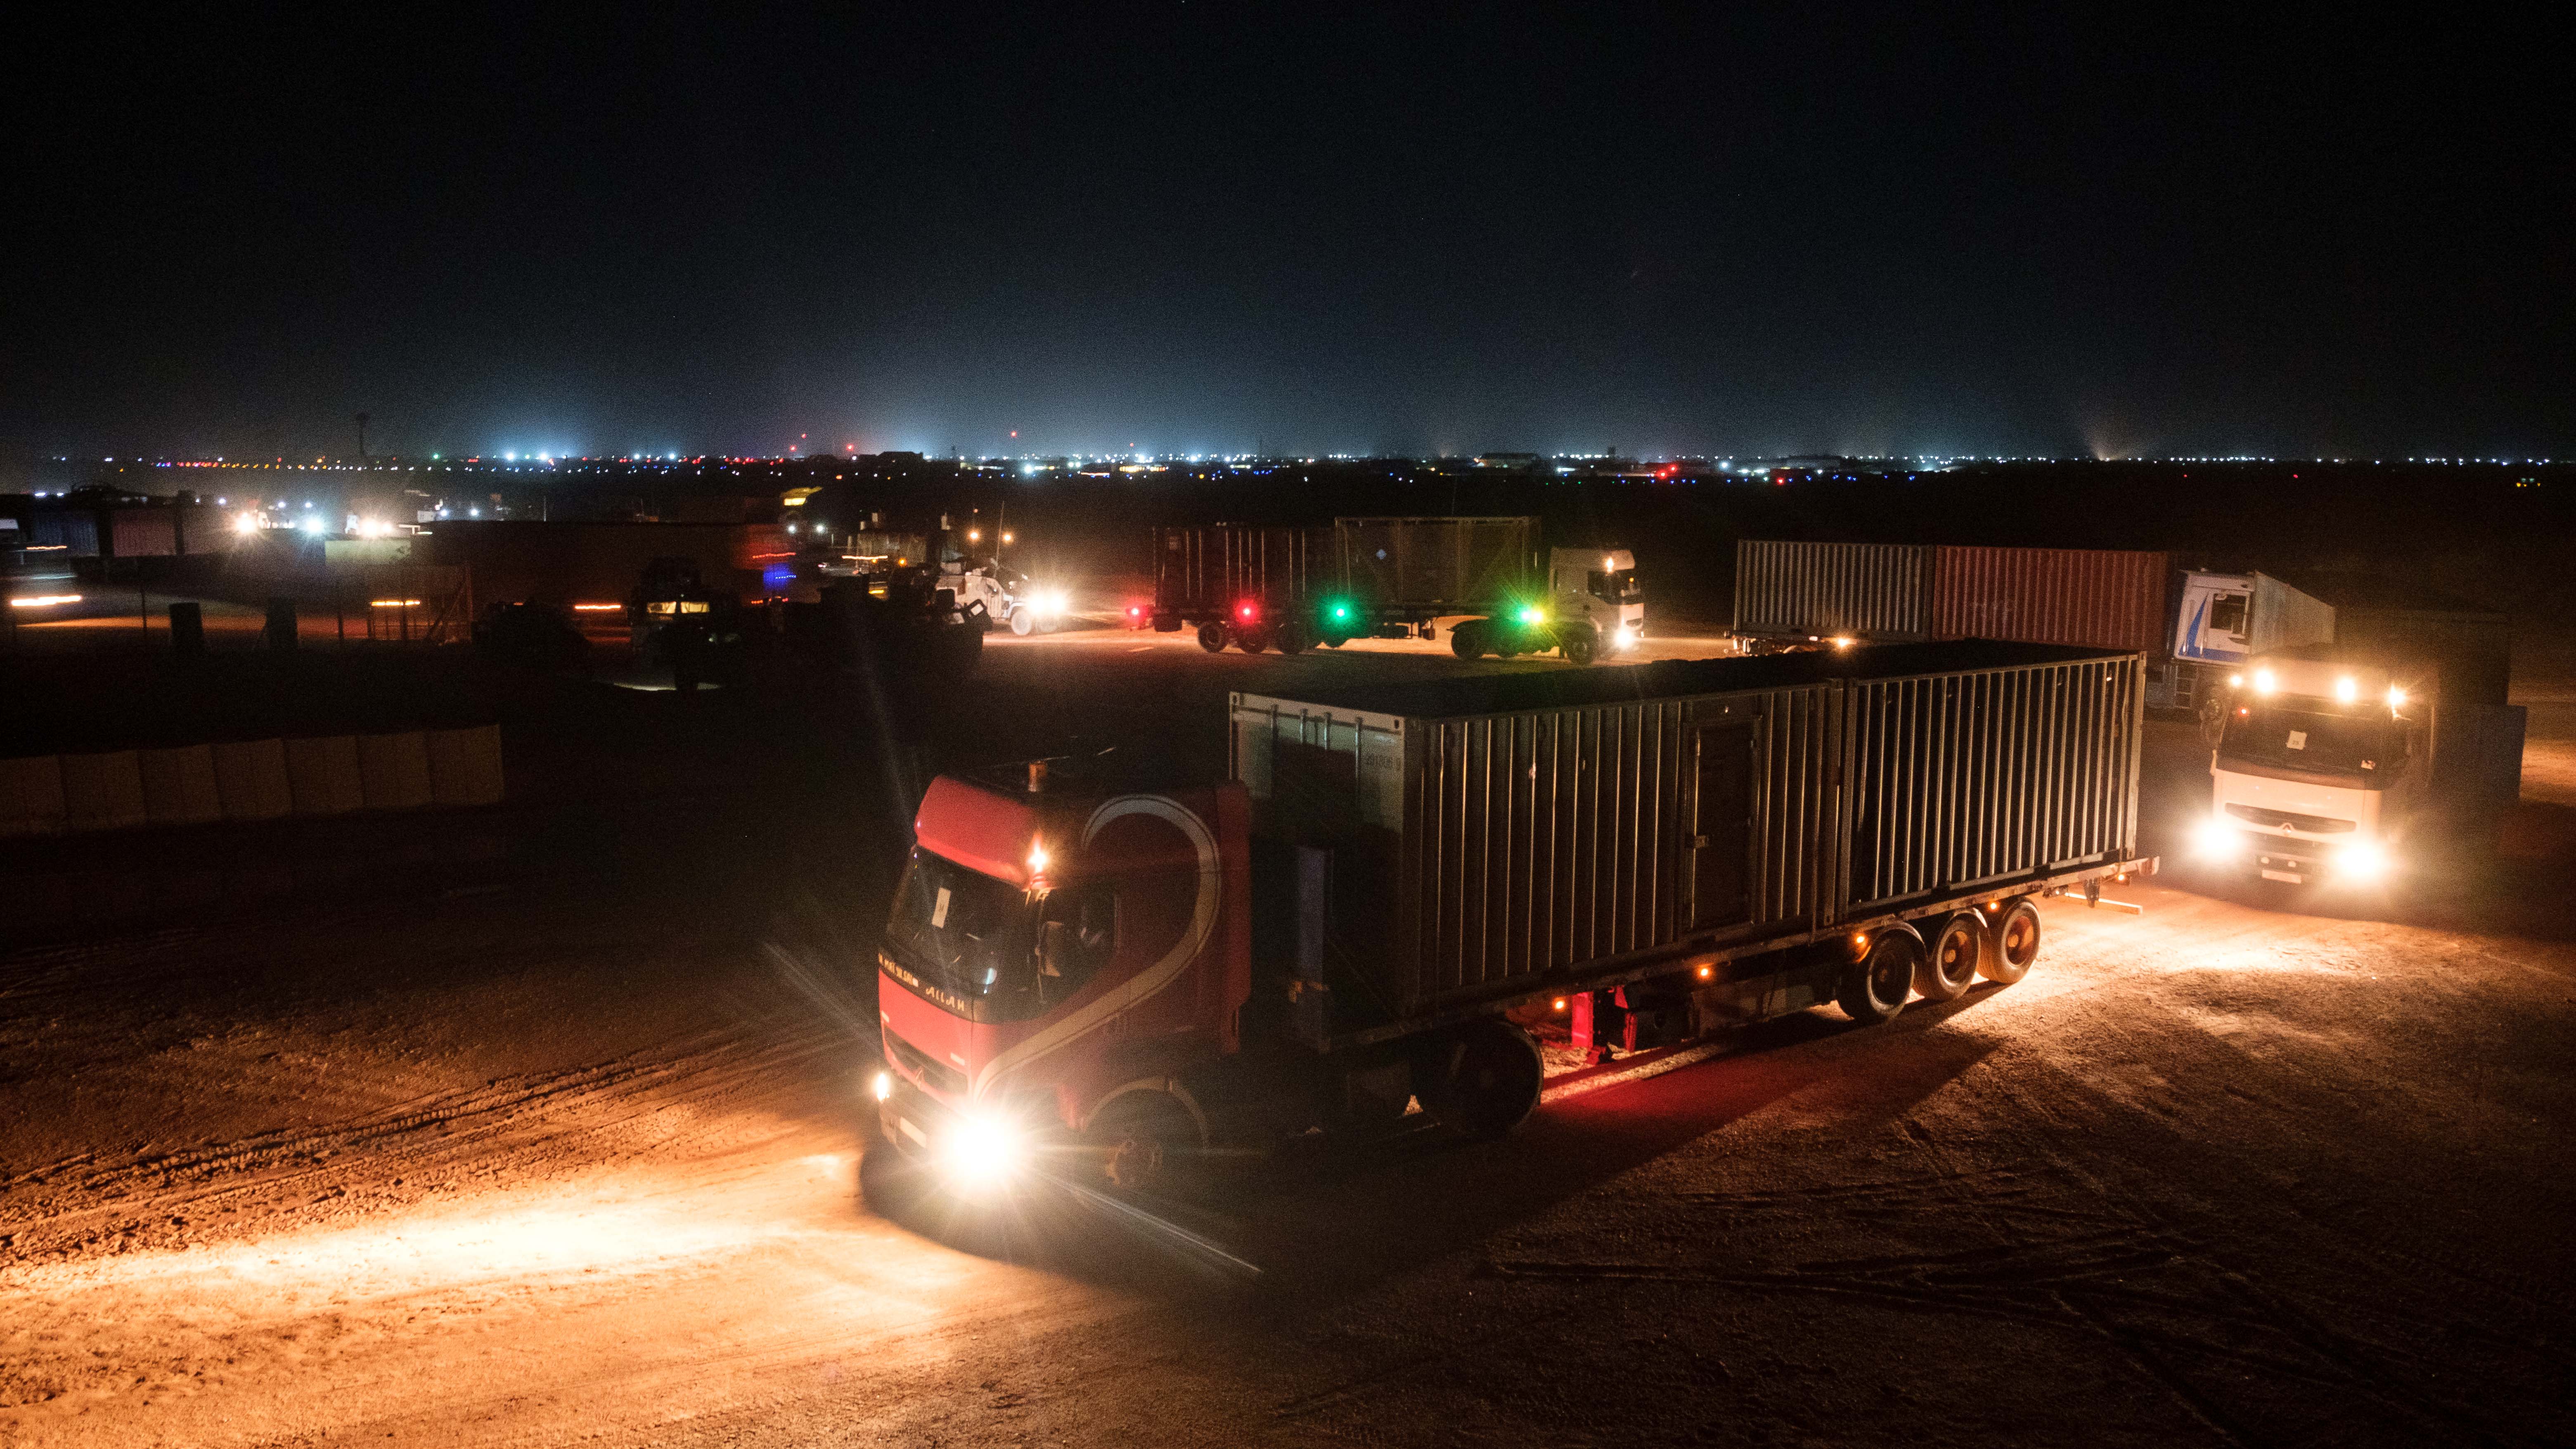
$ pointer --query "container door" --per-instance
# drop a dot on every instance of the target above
(1721, 825)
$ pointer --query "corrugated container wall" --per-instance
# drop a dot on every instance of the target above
(1879, 592)
(1480, 857)
(1468, 562)
(2101, 598)
(142, 533)
(1217, 566)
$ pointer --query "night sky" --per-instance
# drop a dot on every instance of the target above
(1203, 227)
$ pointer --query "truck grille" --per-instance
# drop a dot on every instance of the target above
(2285, 820)
(936, 1075)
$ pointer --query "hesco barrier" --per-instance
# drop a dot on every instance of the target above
(1497, 832)
(256, 780)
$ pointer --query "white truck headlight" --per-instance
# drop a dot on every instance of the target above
(2362, 861)
(2215, 839)
(983, 1151)
(1626, 638)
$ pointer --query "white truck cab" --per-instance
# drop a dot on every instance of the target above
(2319, 771)
(1599, 587)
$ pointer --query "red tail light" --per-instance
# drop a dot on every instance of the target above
(1245, 611)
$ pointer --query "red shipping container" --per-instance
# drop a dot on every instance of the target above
(143, 532)
(2101, 598)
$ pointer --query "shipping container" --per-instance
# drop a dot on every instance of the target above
(514, 560)
(1210, 571)
(1879, 593)
(1438, 565)
(1498, 835)
(1896, 593)
(2100, 598)
(142, 531)
(64, 533)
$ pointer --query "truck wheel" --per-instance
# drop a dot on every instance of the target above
(1212, 637)
(1334, 640)
(2012, 943)
(1252, 641)
(1578, 646)
(1950, 967)
(1292, 639)
(1467, 642)
(1146, 1142)
(1875, 987)
(1481, 1079)
(1021, 623)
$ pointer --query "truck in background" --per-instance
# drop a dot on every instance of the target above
(2222, 620)
(2191, 624)
(1289, 588)
(1106, 978)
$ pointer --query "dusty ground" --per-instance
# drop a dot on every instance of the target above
(572, 1159)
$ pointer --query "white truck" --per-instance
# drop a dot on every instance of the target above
(2343, 766)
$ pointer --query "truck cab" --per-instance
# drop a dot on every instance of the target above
(2319, 770)
(1599, 588)
(1063, 969)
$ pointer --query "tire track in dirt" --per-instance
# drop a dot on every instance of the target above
(509, 1127)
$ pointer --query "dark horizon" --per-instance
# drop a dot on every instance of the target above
(1852, 234)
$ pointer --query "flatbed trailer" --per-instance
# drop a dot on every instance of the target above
(1398, 885)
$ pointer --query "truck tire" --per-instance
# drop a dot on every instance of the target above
(1292, 639)
(1252, 641)
(1467, 641)
(1147, 1142)
(1212, 637)
(2012, 943)
(1875, 988)
(1579, 646)
(1333, 639)
(1022, 623)
(1950, 967)
(1481, 1079)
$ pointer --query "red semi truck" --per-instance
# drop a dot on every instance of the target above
(1103, 979)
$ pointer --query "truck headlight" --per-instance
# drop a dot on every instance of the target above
(2362, 861)
(2214, 839)
(983, 1151)
(1626, 637)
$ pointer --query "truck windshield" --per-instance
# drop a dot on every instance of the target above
(968, 936)
(1618, 587)
(2295, 739)
(991, 951)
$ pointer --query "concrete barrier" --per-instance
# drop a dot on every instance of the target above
(252, 781)
(323, 774)
(179, 786)
(31, 796)
(393, 771)
(103, 792)
(465, 766)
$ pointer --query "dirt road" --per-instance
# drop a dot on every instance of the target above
(575, 1161)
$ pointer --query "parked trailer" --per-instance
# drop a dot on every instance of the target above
(1264, 587)
(1802, 594)
(1093, 977)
